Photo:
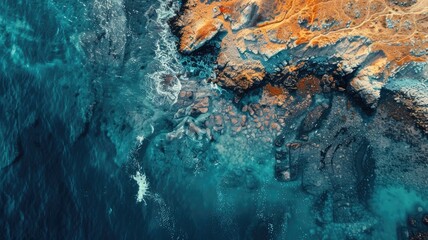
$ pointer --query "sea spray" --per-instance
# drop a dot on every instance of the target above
(164, 80)
(143, 186)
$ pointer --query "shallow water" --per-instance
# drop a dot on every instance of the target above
(85, 120)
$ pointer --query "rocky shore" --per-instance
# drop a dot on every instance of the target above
(327, 96)
(359, 44)
(321, 143)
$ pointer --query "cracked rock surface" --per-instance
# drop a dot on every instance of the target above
(362, 42)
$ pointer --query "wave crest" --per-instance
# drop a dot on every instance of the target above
(165, 79)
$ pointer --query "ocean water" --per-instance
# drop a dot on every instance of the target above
(85, 115)
(73, 103)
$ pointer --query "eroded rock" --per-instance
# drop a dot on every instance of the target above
(361, 42)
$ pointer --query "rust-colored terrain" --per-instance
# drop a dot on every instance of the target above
(361, 42)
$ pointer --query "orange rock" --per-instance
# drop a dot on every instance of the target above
(238, 129)
(309, 85)
(243, 120)
(294, 145)
(218, 120)
(350, 34)
(251, 111)
(182, 94)
(275, 126)
(274, 91)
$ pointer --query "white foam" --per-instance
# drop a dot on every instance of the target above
(166, 57)
(140, 139)
(143, 186)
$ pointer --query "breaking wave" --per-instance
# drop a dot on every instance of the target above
(143, 186)
(164, 80)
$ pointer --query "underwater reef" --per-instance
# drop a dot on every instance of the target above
(214, 119)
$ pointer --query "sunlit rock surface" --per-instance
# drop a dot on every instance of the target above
(362, 42)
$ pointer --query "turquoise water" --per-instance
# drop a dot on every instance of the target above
(85, 119)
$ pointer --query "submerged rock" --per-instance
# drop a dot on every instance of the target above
(313, 119)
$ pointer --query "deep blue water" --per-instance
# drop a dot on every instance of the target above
(63, 67)
(83, 117)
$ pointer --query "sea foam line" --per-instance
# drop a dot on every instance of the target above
(165, 79)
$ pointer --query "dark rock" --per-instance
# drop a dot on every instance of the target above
(365, 170)
(280, 155)
(425, 219)
(282, 171)
(279, 140)
(313, 119)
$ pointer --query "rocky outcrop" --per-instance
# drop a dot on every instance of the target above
(360, 43)
(409, 89)
(316, 142)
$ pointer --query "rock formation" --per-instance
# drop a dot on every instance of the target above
(360, 44)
